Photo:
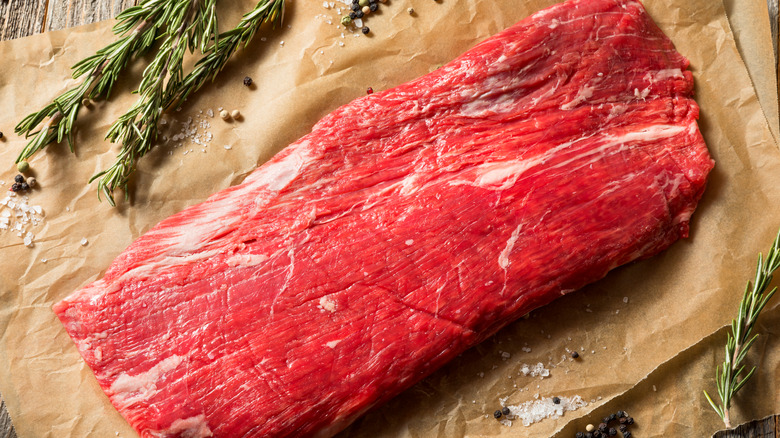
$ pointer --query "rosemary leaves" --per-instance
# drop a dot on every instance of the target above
(177, 27)
(731, 377)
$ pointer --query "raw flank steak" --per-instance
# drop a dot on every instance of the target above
(408, 226)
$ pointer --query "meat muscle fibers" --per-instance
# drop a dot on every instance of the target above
(408, 226)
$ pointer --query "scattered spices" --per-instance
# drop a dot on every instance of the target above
(224, 114)
(1, 134)
(248, 81)
(556, 400)
(497, 414)
(84, 241)
(236, 114)
(369, 90)
(19, 179)
(574, 355)
(359, 13)
(16, 187)
(346, 20)
(366, 10)
(612, 431)
(23, 166)
(603, 430)
(373, 7)
(365, 30)
(25, 186)
(31, 181)
(590, 428)
(363, 3)
(505, 410)
(410, 11)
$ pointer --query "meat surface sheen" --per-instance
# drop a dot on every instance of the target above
(408, 226)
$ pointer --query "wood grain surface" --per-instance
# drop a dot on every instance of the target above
(20, 18)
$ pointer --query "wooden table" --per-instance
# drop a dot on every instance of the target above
(19, 18)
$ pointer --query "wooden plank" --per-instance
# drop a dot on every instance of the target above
(6, 428)
(19, 18)
(768, 427)
(62, 14)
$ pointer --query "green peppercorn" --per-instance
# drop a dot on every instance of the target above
(346, 21)
(363, 3)
(23, 166)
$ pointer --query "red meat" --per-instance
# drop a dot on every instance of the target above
(408, 226)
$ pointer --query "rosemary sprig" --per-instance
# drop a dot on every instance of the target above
(138, 28)
(137, 129)
(192, 24)
(729, 377)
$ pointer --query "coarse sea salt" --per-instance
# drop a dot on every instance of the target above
(534, 411)
(17, 215)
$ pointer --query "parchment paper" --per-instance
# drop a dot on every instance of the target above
(651, 355)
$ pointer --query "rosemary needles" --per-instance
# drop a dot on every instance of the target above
(176, 26)
(731, 377)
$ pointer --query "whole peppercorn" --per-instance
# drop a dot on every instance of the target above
(346, 20)
(366, 10)
(359, 14)
(15, 187)
(623, 428)
(556, 400)
(612, 431)
(31, 181)
(588, 435)
(574, 355)
(410, 11)
(602, 427)
(19, 179)
(612, 417)
(23, 166)
(621, 414)
(1, 134)
(627, 434)
(505, 410)
(590, 428)
(373, 7)
(497, 414)
(25, 186)
(630, 420)
(369, 90)
(355, 6)
(247, 81)
(596, 434)
(579, 435)
(352, 16)
(365, 30)
(363, 3)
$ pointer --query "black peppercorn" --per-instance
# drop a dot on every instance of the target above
(505, 411)
(24, 186)
(15, 187)
(365, 30)
(352, 15)
(630, 420)
(605, 420)
(1, 134)
(497, 414)
(247, 81)
(19, 178)
(602, 427)
(355, 6)
(574, 355)
(622, 420)
(612, 417)
(623, 428)
(579, 435)
(557, 400)
(621, 414)
(627, 435)
(588, 435)
(359, 13)
(612, 431)
(373, 7)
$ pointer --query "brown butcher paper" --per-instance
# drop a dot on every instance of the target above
(649, 335)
